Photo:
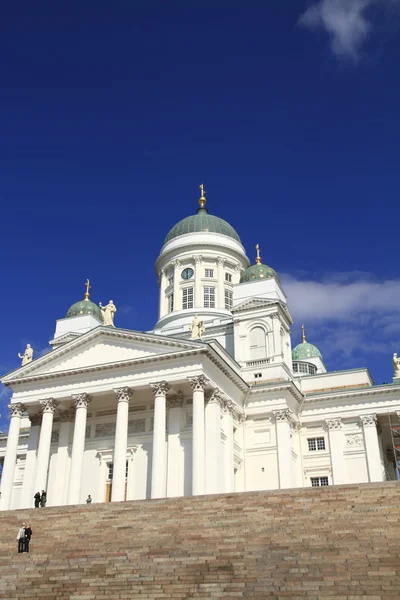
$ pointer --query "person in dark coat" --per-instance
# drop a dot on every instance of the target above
(36, 497)
(43, 499)
(28, 535)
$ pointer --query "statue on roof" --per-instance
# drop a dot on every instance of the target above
(197, 328)
(27, 356)
(396, 366)
(108, 313)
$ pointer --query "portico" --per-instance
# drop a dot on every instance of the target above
(114, 411)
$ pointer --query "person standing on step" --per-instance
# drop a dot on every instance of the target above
(36, 497)
(89, 499)
(21, 538)
(28, 535)
(43, 499)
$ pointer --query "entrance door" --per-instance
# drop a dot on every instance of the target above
(110, 468)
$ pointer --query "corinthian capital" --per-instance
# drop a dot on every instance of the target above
(368, 420)
(214, 397)
(283, 414)
(198, 383)
(160, 388)
(334, 424)
(123, 394)
(49, 405)
(81, 400)
(17, 409)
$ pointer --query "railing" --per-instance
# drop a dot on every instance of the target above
(258, 363)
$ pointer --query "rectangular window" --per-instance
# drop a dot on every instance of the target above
(170, 299)
(228, 277)
(209, 297)
(209, 272)
(228, 299)
(319, 481)
(187, 298)
(257, 375)
(316, 444)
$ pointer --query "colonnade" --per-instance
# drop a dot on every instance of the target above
(208, 454)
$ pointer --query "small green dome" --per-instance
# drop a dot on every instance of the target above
(85, 307)
(202, 221)
(258, 271)
(305, 350)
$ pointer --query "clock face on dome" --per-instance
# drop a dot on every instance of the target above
(187, 273)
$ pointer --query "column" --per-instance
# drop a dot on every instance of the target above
(30, 464)
(221, 280)
(123, 395)
(229, 450)
(7, 480)
(78, 447)
(198, 300)
(158, 468)
(175, 467)
(284, 447)
(214, 458)
(177, 289)
(130, 484)
(163, 285)
(63, 460)
(336, 444)
(198, 442)
(371, 441)
(43, 455)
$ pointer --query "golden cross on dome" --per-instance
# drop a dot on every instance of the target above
(303, 334)
(88, 286)
(258, 257)
(202, 199)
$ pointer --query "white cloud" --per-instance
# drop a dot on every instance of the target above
(347, 312)
(346, 23)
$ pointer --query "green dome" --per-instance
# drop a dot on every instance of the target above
(258, 271)
(305, 350)
(85, 307)
(202, 221)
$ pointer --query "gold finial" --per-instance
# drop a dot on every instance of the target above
(258, 257)
(202, 199)
(88, 286)
(303, 334)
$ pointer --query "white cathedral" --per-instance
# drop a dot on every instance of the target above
(212, 400)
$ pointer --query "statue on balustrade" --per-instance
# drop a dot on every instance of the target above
(27, 356)
(396, 366)
(108, 313)
(197, 328)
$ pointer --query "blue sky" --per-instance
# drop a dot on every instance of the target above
(113, 113)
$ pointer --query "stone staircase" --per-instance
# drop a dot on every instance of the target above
(340, 542)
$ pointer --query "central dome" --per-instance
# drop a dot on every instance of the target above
(202, 221)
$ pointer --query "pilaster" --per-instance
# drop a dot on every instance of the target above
(336, 443)
(284, 447)
(375, 467)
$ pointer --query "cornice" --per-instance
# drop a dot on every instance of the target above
(278, 386)
(355, 393)
(213, 356)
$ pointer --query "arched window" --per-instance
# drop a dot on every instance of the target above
(258, 345)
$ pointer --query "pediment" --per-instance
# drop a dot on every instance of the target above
(102, 346)
(253, 303)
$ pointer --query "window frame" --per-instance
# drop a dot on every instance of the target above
(209, 273)
(314, 444)
(209, 296)
(228, 298)
(189, 301)
(319, 481)
(170, 303)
